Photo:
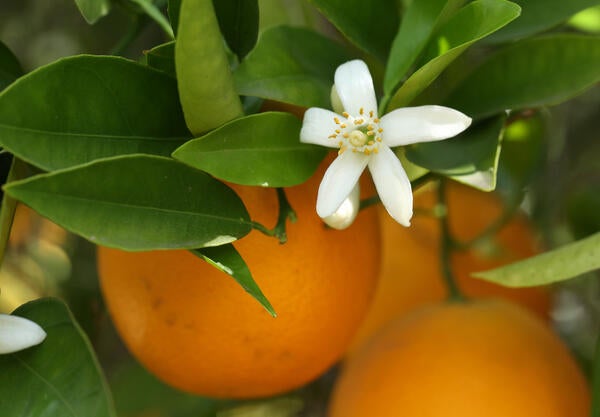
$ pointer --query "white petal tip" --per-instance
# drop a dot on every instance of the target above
(18, 333)
(345, 215)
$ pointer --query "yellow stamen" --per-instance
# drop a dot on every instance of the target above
(370, 127)
(346, 135)
(371, 143)
(336, 120)
(343, 125)
(332, 136)
(337, 131)
(380, 130)
(361, 111)
(359, 121)
(367, 152)
(371, 114)
(370, 133)
(342, 150)
(378, 139)
(375, 150)
(376, 120)
(345, 114)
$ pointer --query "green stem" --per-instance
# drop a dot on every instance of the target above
(596, 382)
(446, 247)
(286, 212)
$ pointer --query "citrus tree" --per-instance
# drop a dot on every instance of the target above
(255, 191)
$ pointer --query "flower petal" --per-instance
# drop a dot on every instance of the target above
(317, 125)
(338, 181)
(346, 213)
(393, 185)
(18, 333)
(422, 124)
(354, 87)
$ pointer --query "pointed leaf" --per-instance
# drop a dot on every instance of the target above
(262, 149)
(138, 202)
(10, 68)
(419, 21)
(227, 259)
(238, 20)
(292, 65)
(87, 107)
(471, 157)
(560, 264)
(530, 73)
(539, 15)
(92, 10)
(173, 8)
(471, 23)
(162, 58)
(61, 376)
(369, 25)
(155, 14)
(204, 80)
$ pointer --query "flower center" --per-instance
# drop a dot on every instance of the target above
(360, 133)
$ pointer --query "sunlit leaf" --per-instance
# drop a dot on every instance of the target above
(60, 377)
(560, 264)
(92, 10)
(137, 202)
(204, 80)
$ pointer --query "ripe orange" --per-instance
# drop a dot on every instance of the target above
(411, 272)
(483, 358)
(196, 329)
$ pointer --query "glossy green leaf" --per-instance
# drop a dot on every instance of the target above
(587, 20)
(10, 68)
(530, 73)
(155, 14)
(419, 21)
(204, 79)
(92, 10)
(471, 157)
(162, 58)
(263, 149)
(471, 23)
(538, 16)
(61, 376)
(138, 202)
(560, 264)
(291, 65)
(238, 20)
(227, 259)
(87, 107)
(369, 25)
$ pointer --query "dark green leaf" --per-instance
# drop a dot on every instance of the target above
(530, 73)
(87, 107)
(173, 7)
(58, 378)
(152, 11)
(263, 149)
(369, 25)
(204, 80)
(291, 65)
(471, 157)
(227, 259)
(238, 20)
(92, 10)
(10, 68)
(418, 24)
(560, 264)
(471, 23)
(162, 58)
(138, 202)
(539, 15)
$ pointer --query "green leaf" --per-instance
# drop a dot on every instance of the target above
(238, 20)
(204, 80)
(291, 65)
(10, 68)
(420, 20)
(227, 259)
(61, 376)
(162, 58)
(87, 107)
(138, 202)
(470, 158)
(471, 23)
(560, 264)
(540, 15)
(263, 149)
(173, 8)
(587, 20)
(530, 73)
(152, 11)
(92, 10)
(369, 25)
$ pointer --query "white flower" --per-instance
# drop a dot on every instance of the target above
(18, 333)
(365, 140)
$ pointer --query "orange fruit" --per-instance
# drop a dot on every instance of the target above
(484, 358)
(411, 272)
(196, 329)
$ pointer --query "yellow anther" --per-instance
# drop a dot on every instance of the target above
(343, 125)
(345, 114)
(367, 151)
(346, 135)
(332, 136)
(378, 139)
(336, 120)
(376, 120)
(380, 130)
(342, 150)
(337, 131)
(361, 111)
(359, 122)
(371, 113)
(370, 133)
(370, 127)
(370, 143)
(340, 143)
(375, 150)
